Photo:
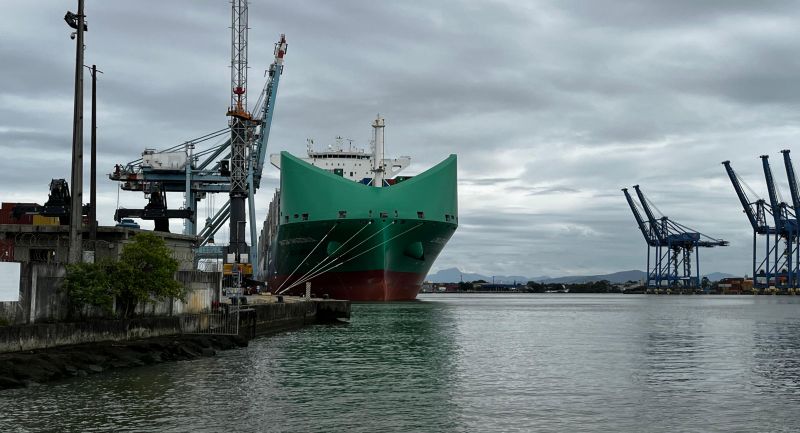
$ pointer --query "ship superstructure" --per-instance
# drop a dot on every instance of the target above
(350, 162)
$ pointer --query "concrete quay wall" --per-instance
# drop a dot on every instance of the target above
(265, 319)
(256, 320)
(48, 335)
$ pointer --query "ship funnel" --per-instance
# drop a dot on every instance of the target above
(378, 168)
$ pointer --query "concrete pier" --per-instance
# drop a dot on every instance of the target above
(268, 318)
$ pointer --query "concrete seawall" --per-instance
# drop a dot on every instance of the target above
(49, 335)
(265, 319)
(51, 351)
(256, 320)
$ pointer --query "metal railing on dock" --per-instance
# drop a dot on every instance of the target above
(224, 321)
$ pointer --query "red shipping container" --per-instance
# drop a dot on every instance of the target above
(25, 219)
(6, 250)
(7, 214)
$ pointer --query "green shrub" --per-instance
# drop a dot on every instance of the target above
(144, 273)
(90, 284)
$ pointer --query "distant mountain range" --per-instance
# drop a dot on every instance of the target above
(454, 275)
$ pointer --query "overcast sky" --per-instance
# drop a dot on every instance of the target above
(551, 106)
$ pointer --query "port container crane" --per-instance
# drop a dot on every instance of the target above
(757, 212)
(785, 236)
(794, 224)
(648, 231)
(234, 166)
(673, 245)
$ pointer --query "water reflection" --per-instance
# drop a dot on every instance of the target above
(776, 357)
(388, 370)
(467, 363)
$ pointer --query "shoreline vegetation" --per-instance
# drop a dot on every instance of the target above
(601, 286)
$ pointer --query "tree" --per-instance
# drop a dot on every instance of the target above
(89, 284)
(534, 287)
(145, 273)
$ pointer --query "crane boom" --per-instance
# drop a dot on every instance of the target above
(775, 205)
(638, 217)
(259, 152)
(787, 161)
(654, 226)
(270, 93)
(746, 204)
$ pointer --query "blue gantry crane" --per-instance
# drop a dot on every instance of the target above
(669, 247)
(785, 236)
(778, 267)
(757, 213)
(212, 170)
(794, 224)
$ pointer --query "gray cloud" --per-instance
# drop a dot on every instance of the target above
(552, 107)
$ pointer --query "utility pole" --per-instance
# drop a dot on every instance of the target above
(93, 169)
(77, 22)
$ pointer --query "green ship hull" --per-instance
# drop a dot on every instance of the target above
(355, 241)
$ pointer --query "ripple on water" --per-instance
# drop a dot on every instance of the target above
(466, 363)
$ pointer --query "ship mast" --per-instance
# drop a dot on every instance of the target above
(378, 167)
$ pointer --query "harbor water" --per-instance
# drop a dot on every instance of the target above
(471, 363)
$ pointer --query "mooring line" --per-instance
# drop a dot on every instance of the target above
(351, 258)
(323, 261)
(384, 242)
(340, 255)
(307, 256)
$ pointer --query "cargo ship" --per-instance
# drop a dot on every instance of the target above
(343, 221)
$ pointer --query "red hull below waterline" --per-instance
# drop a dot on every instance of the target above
(378, 285)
